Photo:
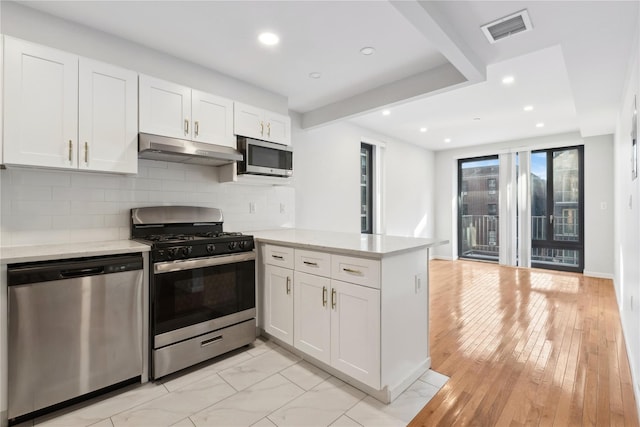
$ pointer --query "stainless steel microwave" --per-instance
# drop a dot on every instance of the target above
(264, 158)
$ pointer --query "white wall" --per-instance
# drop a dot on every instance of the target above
(627, 221)
(598, 189)
(598, 206)
(327, 181)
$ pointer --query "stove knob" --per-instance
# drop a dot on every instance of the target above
(172, 252)
(211, 248)
(232, 245)
(186, 251)
(242, 244)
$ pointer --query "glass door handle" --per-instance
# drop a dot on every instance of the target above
(551, 218)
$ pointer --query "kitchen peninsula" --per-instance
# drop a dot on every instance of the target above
(356, 305)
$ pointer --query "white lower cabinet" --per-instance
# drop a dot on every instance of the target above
(338, 323)
(312, 315)
(278, 302)
(355, 331)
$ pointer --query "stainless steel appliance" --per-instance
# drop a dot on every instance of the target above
(264, 158)
(75, 327)
(175, 150)
(201, 285)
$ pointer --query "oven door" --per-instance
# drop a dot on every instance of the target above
(196, 296)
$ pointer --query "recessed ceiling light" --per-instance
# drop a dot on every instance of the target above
(423, 130)
(269, 39)
(540, 125)
(528, 108)
(447, 140)
(315, 75)
(386, 112)
(367, 51)
(507, 80)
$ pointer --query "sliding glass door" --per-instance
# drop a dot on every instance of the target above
(557, 209)
(478, 207)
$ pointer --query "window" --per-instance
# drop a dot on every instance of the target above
(366, 188)
(478, 216)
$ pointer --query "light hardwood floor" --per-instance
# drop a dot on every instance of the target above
(526, 347)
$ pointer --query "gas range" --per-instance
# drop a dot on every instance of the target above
(184, 232)
(201, 285)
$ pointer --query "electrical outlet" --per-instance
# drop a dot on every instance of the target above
(252, 207)
(282, 208)
(603, 205)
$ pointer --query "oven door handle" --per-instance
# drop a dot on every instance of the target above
(189, 264)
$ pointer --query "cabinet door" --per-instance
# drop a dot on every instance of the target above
(279, 302)
(212, 119)
(277, 128)
(165, 108)
(108, 125)
(312, 317)
(248, 121)
(40, 105)
(355, 331)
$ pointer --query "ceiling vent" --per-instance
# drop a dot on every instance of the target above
(502, 28)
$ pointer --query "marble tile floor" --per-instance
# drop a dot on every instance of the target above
(261, 385)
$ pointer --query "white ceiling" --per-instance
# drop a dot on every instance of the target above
(432, 67)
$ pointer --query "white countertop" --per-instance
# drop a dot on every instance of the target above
(368, 245)
(15, 254)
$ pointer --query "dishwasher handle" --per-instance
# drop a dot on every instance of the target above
(79, 272)
(48, 271)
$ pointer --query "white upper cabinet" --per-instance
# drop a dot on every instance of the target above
(40, 105)
(176, 111)
(165, 108)
(254, 122)
(64, 111)
(212, 119)
(108, 128)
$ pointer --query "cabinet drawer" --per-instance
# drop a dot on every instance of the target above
(278, 255)
(318, 263)
(361, 271)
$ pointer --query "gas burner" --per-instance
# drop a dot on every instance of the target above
(214, 234)
(168, 237)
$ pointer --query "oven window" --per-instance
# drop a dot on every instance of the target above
(270, 158)
(187, 297)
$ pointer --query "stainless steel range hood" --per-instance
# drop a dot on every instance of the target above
(175, 150)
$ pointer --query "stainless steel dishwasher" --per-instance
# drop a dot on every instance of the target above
(75, 327)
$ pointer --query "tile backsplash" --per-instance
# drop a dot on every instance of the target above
(41, 206)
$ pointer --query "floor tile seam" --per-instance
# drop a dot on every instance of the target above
(131, 407)
(240, 391)
(308, 391)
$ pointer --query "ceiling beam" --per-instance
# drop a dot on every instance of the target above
(430, 22)
(428, 83)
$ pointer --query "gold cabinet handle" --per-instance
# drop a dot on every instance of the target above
(324, 296)
(186, 126)
(262, 128)
(312, 264)
(86, 152)
(333, 298)
(269, 129)
(196, 127)
(288, 285)
(280, 257)
(70, 151)
(350, 270)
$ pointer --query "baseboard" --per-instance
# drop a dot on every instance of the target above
(598, 275)
(443, 258)
(635, 380)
